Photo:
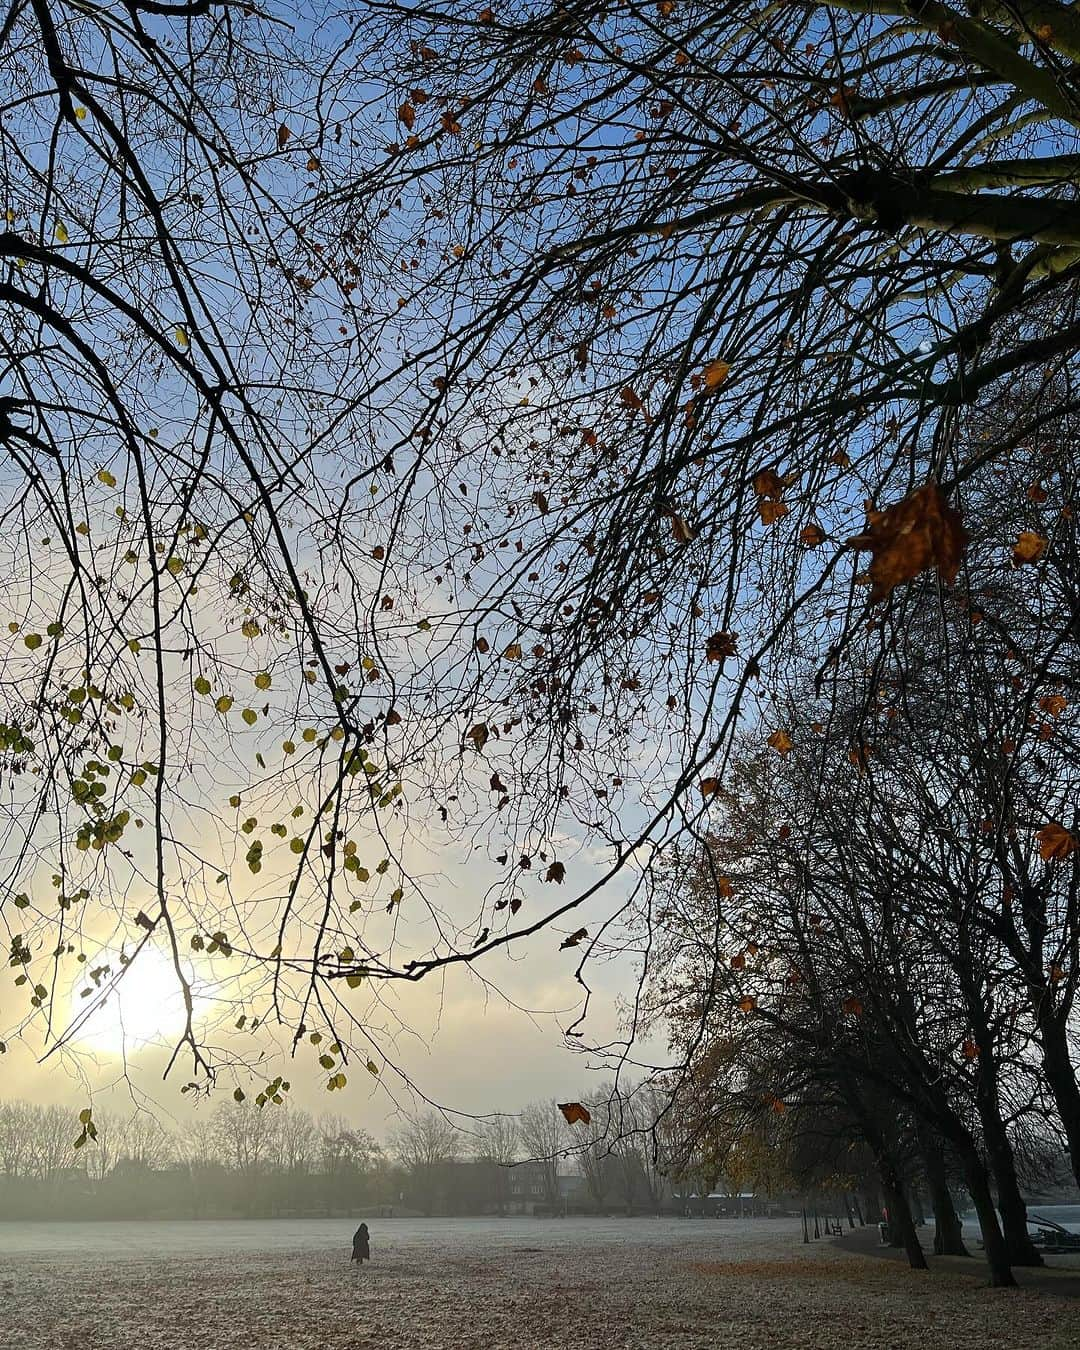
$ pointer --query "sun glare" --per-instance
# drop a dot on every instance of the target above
(145, 1009)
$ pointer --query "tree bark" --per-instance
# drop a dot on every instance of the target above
(901, 1223)
(1061, 1077)
(997, 1253)
(948, 1231)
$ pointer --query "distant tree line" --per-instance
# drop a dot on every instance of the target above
(239, 1160)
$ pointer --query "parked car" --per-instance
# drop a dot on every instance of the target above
(1053, 1228)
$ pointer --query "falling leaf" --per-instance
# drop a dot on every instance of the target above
(1055, 842)
(573, 939)
(574, 1112)
(781, 742)
(1029, 548)
(919, 532)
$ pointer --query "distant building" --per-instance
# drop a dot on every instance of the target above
(525, 1190)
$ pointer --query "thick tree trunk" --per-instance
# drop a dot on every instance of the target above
(997, 1253)
(948, 1231)
(901, 1224)
(1022, 1251)
(1062, 1080)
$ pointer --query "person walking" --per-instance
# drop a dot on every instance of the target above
(361, 1248)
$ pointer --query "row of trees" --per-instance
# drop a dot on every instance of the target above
(873, 951)
(240, 1159)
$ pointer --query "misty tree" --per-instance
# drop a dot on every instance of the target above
(422, 1146)
(496, 1142)
(544, 1139)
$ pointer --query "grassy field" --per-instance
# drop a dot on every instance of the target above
(746, 1285)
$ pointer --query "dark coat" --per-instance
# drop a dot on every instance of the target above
(361, 1251)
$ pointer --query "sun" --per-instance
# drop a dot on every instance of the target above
(145, 1008)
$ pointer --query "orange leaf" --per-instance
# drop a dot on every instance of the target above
(919, 532)
(771, 512)
(630, 398)
(970, 1049)
(478, 734)
(1055, 842)
(812, 536)
(574, 1111)
(681, 530)
(747, 1003)
(852, 1007)
(1054, 704)
(1029, 548)
(284, 136)
(720, 646)
(768, 483)
(781, 742)
(407, 115)
(714, 374)
(738, 962)
(723, 888)
(709, 786)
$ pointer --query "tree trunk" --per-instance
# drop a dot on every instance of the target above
(1061, 1077)
(901, 1225)
(997, 1253)
(1022, 1251)
(948, 1234)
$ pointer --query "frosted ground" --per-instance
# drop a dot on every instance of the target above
(477, 1284)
